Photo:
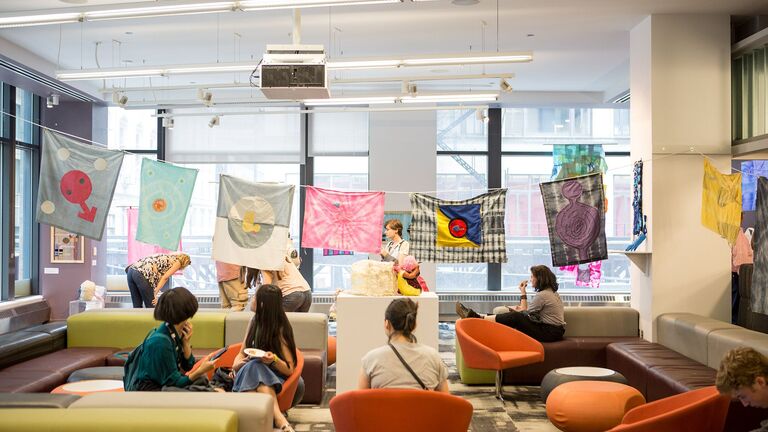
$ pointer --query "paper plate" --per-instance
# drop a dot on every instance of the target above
(254, 352)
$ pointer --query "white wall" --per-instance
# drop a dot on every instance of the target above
(403, 158)
(680, 86)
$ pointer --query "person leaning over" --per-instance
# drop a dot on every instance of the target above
(148, 275)
(233, 294)
(403, 363)
(297, 295)
(543, 319)
(743, 375)
(166, 354)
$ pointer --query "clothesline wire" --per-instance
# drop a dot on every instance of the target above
(621, 167)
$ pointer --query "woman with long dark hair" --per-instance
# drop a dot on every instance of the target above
(543, 319)
(403, 363)
(270, 331)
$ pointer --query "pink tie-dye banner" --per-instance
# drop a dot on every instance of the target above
(136, 249)
(349, 221)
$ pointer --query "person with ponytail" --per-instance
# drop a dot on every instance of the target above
(403, 362)
(270, 331)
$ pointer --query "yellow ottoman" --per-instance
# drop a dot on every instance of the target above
(590, 406)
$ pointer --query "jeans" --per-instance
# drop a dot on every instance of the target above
(140, 290)
(297, 301)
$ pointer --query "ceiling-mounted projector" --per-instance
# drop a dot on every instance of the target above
(293, 72)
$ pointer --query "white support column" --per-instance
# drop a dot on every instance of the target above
(680, 107)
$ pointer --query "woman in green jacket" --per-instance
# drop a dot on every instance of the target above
(166, 354)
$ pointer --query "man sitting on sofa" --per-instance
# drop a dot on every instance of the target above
(743, 375)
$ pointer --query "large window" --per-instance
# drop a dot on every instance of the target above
(526, 148)
(20, 164)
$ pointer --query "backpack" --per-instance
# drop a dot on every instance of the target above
(130, 364)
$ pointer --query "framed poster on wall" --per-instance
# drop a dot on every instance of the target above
(403, 216)
(66, 247)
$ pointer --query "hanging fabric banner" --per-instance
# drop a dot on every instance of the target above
(750, 171)
(137, 249)
(164, 197)
(575, 219)
(349, 221)
(465, 231)
(760, 272)
(721, 202)
(638, 218)
(252, 222)
(77, 182)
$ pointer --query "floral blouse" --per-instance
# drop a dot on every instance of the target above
(153, 267)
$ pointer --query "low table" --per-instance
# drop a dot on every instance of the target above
(83, 388)
(559, 376)
(591, 406)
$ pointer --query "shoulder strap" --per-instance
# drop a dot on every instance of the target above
(402, 360)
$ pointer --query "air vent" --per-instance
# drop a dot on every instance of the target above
(55, 86)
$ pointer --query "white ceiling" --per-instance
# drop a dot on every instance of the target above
(578, 45)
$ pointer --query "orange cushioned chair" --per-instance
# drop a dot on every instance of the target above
(331, 350)
(387, 410)
(285, 397)
(702, 410)
(490, 345)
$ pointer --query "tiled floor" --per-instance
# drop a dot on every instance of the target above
(523, 411)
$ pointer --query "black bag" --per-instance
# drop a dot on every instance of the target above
(223, 378)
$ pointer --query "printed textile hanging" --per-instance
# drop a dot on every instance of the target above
(721, 202)
(750, 171)
(137, 249)
(760, 272)
(77, 182)
(575, 219)
(252, 222)
(343, 220)
(462, 231)
(165, 193)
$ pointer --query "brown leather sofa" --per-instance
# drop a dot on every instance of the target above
(686, 357)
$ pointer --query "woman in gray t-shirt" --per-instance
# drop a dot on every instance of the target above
(385, 367)
(542, 319)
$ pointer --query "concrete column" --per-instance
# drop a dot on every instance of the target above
(680, 76)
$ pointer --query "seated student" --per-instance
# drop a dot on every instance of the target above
(166, 354)
(403, 363)
(269, 330)
(543, 319)
(297, 295)
(743, 375)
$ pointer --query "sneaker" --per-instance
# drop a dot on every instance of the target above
(465, 312)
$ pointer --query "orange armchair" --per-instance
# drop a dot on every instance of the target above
(382, 410)
(490, 345)
(701, 410)
(285, 397)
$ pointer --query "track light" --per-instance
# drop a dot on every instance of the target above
(168, 122)
(505, 86)
(481, 115)
(214, 121)
(119, 98)
(205, 97)
(51, 101)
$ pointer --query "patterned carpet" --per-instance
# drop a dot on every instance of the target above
(523, 410)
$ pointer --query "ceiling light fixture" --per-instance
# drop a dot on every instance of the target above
(406, 99)
(52, 100)
(454, 59)
(205, 97)
(48, 17)
(214, 121)
(505, 86)
(168, 122)
(119, 99)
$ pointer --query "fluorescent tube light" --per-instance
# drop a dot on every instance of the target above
(33, 20)
(453, 59)
(351, 101)
(156, 11)
(75, 75)
(466, 97)
(252, 5)
(111, 73)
